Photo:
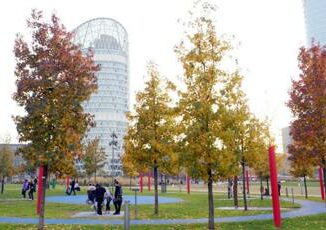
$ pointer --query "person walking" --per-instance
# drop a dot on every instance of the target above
(31, 190)
(279, 188)
(72, 187)
(108, 197)
(25, 188)
(117, 197)
(99, 197)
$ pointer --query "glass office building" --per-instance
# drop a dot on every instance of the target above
(315, 19)
(109, 41)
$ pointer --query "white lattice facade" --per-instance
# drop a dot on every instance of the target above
(109, 41)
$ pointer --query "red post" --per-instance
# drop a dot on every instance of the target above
(67, 182)
(247, 181)
(39, 189)
(188, 184)
(149, 181)
(141, 182)
(275, 197)
(322, 190)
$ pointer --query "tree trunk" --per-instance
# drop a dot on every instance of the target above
(261, 188)
(235, 191)
(324, 172)
(305, 186)
(244, 186)
(155, 190)
(42, 208)
(210, 201)
(267, 183)
(229, 188)
(2, 184)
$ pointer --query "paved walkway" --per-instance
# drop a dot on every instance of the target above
(307, 208)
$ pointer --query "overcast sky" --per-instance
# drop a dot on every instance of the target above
(269, 34)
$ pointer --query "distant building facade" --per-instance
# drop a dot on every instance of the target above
(286, 139)
(109, 41)
(315, 20)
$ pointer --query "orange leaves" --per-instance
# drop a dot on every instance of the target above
(53, 79)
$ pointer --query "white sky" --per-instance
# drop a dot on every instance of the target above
(269, 33)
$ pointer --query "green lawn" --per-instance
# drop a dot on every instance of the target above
(193, 206)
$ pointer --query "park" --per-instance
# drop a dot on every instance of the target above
(192, 152)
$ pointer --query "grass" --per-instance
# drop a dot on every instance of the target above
(193, 206)
(315, 222)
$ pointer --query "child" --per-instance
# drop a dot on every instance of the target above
(25, 188)
(108, 197)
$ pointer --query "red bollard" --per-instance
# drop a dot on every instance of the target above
(39, 189)
(149, 181)
(141, 182)
(247, 181)
(275, 197)
(188, 184)
(322, 190)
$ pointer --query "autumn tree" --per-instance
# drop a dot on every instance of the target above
(301, 162)
(308, 104)
(6, 162)
(54, 77)
(149, 142)
(202, 54)
(93, 158)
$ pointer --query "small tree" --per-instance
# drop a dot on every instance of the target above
(301, 165)
(94, 158)
(149, 142)
(54, 78)
(6, 162)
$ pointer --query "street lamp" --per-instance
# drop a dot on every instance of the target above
(113, 143)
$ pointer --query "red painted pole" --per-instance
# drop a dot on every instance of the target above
(67, 182)
(247, 181)
(322, 190)
(275, 197)
(188, 184)
(39, 189)
(149, 181)
(141, 182)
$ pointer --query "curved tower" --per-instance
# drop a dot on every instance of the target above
(109, 41)
(315, 19)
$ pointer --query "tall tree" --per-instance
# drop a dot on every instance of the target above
(308, 104)
(54, 77)
(93, 158)
(6, 162)
(202, 55)
(150, 137)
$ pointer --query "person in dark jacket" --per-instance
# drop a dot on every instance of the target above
(117, 197)
(72, 187)
(99, 197)
(31, 190)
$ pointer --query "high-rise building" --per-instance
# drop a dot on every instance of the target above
(315, 19)
(109, 41)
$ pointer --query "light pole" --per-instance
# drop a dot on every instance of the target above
(113, 143)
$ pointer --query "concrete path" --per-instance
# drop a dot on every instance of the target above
(307, 208)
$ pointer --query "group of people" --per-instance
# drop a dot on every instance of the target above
(30, 187)
(98, 195)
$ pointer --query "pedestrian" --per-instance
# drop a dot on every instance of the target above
(25, 188)
(72, 187)
(108, 197)
(99, 197)
(279, 188)
(31, 190)
(117, 197)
